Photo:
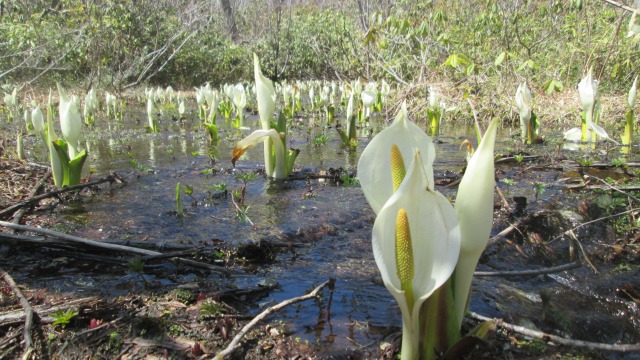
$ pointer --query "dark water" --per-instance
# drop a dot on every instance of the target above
(334, 222)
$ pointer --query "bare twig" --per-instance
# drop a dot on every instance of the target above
(549, 270)
(623, 348)
(28, 310)
(235, 342)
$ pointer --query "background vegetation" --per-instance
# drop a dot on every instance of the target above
(476, 45)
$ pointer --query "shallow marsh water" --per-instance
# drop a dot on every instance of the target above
(333, 222)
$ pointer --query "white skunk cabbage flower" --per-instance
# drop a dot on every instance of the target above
(90, 105)
(208, 95)
(37, 119)
(70, 121)
(239, 97)
(433, 98)
(375, 179)
(110, 101)
(182, 108)
(416, 242)
(631, 99)
(523, 103)
(169, 92)
(324, 94)
(588, 91)
(368, 100)
(200, 99)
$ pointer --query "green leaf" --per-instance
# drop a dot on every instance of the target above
(553, 85)
(530, 64)
(179, 209)
(500, 59)
(456, 60)
(75, 168)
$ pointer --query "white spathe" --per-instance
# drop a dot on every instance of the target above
(523, 103)
(474, 210)
(373, 166)
(261, 135)
(70, 121)
(435, 238)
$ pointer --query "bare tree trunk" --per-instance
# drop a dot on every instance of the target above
(231, 23)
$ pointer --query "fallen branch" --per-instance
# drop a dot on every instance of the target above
(13, 208)
(235, 342)
(28, 310)
(549, 270)
(113, 247)
(623, 348)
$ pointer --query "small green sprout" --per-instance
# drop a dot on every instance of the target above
(508, 181)
(320, 140)
(210, 308)
(619, 162)
(246, 177)
(222, 187)
(518, 158)
(347, 180)
(539, 188)
(63, 318)
(136, 264)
